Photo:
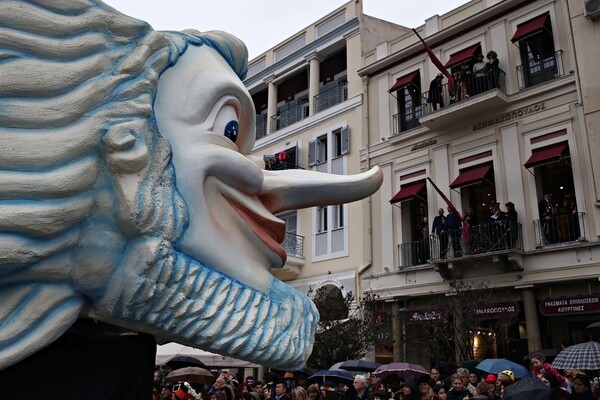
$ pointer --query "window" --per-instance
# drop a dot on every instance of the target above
(338, 216)
(409, 101)
(536, 45)
(341, 142)
(317, 151)
(322, 219)
(331, 24)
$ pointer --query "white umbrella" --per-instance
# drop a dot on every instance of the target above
(166, 352)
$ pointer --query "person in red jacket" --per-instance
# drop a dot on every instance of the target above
(539, 367)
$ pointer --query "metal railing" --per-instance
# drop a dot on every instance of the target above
(540, 70)
(330, 95)
(476, 240)
(464, 89)
(559, 230)
(290, 113)
(261, 125)
(293, 245)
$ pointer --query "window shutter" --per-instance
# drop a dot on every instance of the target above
(312, 153)
(345, 140)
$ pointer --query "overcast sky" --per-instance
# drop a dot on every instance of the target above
(262, 24)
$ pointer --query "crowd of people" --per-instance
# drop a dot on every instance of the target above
(442, 383)
(471, 78)
(497, 232)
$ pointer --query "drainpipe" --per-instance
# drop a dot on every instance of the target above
(369, 223)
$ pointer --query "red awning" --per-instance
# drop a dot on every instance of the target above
(529, 28)
(546, 155)
(471, 176)
(462, 55)
(403, 81)
(408, 192)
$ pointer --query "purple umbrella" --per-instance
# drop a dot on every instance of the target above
(401, 370)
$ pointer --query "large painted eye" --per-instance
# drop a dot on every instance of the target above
(231, 130)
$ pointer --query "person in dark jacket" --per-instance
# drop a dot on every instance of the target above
(440, 228)
(458, 391)
(434, 97)
(411, 390)
(454, 225)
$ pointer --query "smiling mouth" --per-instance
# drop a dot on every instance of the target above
(270, 232)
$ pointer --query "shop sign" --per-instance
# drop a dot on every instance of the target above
(521, 112)
(424, 316)
(497, 310)
(570, 305)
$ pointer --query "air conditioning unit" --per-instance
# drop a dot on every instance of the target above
(591, 9)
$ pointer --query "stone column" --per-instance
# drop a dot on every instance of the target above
(314, 62)
(396, 332)
(534, 340)
(271, 102)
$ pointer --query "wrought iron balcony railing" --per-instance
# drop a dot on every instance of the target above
(476, 240)
(559, 230)
(330, 95)
(294, 245)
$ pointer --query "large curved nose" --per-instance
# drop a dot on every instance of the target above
(294, 188)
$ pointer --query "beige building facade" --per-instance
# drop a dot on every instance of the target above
(309, 110)
(510, 131)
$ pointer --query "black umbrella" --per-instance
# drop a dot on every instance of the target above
(178, 362)
(528, 388)
(359, 365)
(333, 375)
(593, 330)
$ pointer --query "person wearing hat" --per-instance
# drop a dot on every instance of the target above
(481, 83)
(506, 377)
(491, 380)
(492, 69)
(281, 390)
(425, 387)
(411, 390)
(166, 391)
(434, 96)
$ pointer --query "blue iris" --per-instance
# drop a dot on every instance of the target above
(231, 130)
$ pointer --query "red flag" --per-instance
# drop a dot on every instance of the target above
(465, 224)
(437, 62)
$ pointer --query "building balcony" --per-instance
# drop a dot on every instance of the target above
(294, 245)
(541, 69)
(331, 94)
(560, 230)
(477, 96)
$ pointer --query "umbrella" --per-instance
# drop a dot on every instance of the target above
(401, 370)
(359, 365)
(593, 329)
(528, 388)
(191, 375)
(334, 375)
(497, 365)
(580, 356)
(185, 361)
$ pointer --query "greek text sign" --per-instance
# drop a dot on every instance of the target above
(521, 112)
(572, 305)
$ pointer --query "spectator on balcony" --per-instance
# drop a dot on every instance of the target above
(511, 224)
(282, 159)
(471, 219)
(547, 211)
(434, 97)
(570, 209)
(465, 81)
(481, 81)
(498, 230)
(454, 225)
(493, 69)
(440, 229)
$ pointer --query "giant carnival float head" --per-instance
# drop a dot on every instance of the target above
(128, 193)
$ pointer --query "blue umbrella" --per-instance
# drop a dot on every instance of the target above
(497, 365)
(334, 375)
